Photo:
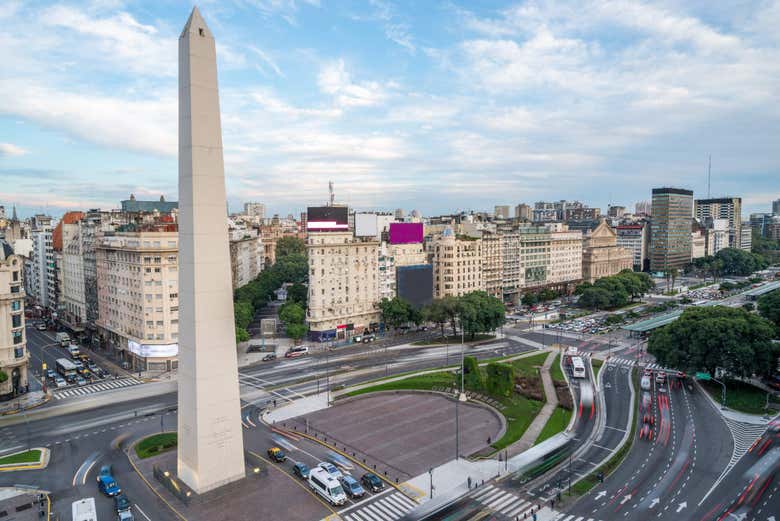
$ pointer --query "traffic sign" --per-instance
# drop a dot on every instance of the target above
(703, 376)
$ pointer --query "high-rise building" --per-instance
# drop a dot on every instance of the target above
(457, 264)
(776, 207)
(670, 229)
(501, 211)
(729, 208)
(343, 285)
(255, 210)
(14, 357)
(400, 214)
(616, 211)
(643, 208)
(40, 268)
(523, 212)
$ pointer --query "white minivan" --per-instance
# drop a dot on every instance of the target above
(327, 487)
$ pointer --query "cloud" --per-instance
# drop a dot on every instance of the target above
(396, 31)
(11, 150)
(267, 61)
(335, 80)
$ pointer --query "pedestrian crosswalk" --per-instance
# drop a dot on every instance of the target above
(388, 508)
(505, 503)
(571, 517)
(629, 362)
(106, 385)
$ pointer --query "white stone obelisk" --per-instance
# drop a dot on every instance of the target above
(211, 446)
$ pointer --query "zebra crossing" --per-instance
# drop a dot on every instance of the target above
(571, 517)
(106, 385)
(388, 508)
(505, 503)
(629, 362)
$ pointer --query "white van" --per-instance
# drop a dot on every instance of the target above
(84, 510)
(326, 486)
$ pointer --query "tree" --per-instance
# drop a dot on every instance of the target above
(289, 246)
(740, 262)
(595, 298)
(769, 307)
(243, 312)
(673, 273)
(299, 293)
(500, 379)
(296, 331)
(529, 299)
(481, 312)
(437, 313)
(242, 335)
(396, 312)
(292, 313)
(452, 308)
(472, 375)
(708, 338)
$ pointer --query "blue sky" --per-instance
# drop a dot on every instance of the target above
(431, 105)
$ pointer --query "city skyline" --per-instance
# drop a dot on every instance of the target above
(516, 103)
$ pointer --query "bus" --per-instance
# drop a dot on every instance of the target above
(578, 367)
(66, 368)
(84, 510)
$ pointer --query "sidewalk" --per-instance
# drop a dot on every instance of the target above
(535, 429)
(24, 402)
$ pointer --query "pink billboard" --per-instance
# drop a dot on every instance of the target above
(406, 233)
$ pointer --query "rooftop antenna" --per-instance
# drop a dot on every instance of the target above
(709, 175)
(330, 191)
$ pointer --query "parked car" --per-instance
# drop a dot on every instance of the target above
(352, 487)
(269, 357)
(372, 482)
(301, 470)
(277, 454)
(106, 482)
(331, 469)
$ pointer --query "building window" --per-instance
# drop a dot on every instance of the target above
(16, 321)
(19, 352)
(17, 337)
(16, 305)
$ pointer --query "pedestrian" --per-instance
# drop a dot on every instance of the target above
(533, 516)
(469, 482)
(489, 439)
(274, 402)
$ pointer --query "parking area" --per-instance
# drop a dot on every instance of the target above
(406, 432)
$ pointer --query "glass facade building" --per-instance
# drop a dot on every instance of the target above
(670, 228)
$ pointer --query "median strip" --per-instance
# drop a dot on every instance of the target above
(32, 459)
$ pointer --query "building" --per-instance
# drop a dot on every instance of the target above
(566, 257)
(698, 240)
(386, 275)
(133, 205)
(616, 211)
(343, 285)
(40, 268)
(601, 255)
(643, 208)
(501, 211)
(746, 237)
(511, 271)
(138, 295)
(255, 210)
(399, 214)
(670, 229)
(775, 207)
(14, 357)
(247, 256)
(717, 235)
(71, 305)
(523, 212)
(492, 264)
(634, 238)
(457, 264)
(729, 208)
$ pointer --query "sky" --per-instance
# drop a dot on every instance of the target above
(430, 105)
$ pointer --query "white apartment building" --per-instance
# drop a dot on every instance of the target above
(41, 274)
(550, 256)
(718, 235)
(387, 279)
(411, 254)
(457, 264)
(138, 296)
(247, 256)
(634, 238)
(74, 298)
(512, 278)
(343, 285)
(14, 357)
(565, 255)
(492, 264)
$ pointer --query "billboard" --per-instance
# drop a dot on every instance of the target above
(366, 225)
(415, 284)
(153, 350)
(406, 233)
(327, 219)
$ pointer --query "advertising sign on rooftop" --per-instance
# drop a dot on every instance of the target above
(327, 219)
(406, 233)
(366, 225)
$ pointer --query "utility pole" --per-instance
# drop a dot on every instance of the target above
(430, 473)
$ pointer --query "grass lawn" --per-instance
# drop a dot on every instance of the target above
(528, 366)
(557, 423)
(740, 396)
(453, 339)
(519, 414)
(30, 456)
(423, 381)
(555, 371)
(596, 367)
(155, 444)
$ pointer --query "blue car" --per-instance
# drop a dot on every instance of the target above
(352, 487)
(301, 470)
(106, 482)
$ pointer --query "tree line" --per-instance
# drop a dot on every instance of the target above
(478, 311)
(728, 261)
(615, 291)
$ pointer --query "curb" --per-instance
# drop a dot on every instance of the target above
(39, 403)
(42, 463)
(127, 452)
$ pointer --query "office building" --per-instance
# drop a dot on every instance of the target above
(14, 357)
(776, 207)
(40, 268)
(134, 206)
(670, 229)
(698, 240)
(343, 285)
(729, 208)
(643, 208)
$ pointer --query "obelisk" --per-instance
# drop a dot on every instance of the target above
(211, 447)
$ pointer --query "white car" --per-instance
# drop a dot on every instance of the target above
(331, 469)
(60, 382)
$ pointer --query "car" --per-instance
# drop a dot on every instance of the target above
(660, 378)
(51, 375)
(331, 469)
(125, 515)
(645, 383)
(301, 470)
(648, 418)
(106, 482)
(269, 357)
(80, 380)
(372, 482)
(60, 382)
(92, 366)
(295, 352)
(352, 487)
(71, 378)
(121, 503)
(368, 338)
(645, 432)
(41, 326)
(276, 454)
(357, 339)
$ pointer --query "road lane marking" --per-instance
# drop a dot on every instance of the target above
(142, 512)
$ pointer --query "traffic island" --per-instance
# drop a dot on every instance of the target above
(264, 492)
(32, 459)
